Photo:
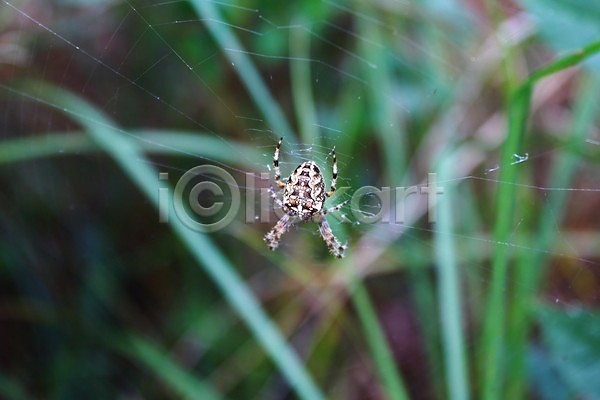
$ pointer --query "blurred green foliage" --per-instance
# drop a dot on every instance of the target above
(497, 299)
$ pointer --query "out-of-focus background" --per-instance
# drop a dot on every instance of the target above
(112, 285)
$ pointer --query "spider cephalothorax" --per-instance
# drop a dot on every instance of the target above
(303, 199)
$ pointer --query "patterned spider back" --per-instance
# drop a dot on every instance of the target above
(304, 192)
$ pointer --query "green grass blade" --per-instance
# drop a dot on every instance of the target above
(235, 52)
(449, 290)
(529, 269)
(388, 124)
(302, 84)
(382, 355)
(196, 144)
(47, 145)
(493, 330)
(494, 322)
(425, 298)
(129, 157)
(164, 368)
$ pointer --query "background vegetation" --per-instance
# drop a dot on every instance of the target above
(497, 299)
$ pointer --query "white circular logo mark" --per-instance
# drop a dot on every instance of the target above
(206, 171)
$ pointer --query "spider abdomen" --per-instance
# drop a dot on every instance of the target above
(304, 192)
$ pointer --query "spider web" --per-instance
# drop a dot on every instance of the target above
(114, 53)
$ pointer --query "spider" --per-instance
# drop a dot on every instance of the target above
(303, 198)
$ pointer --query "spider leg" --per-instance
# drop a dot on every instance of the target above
(276, 165)
(335, 247)
(275, 198)
(274, 236)
(332, 209)
(334, 175)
